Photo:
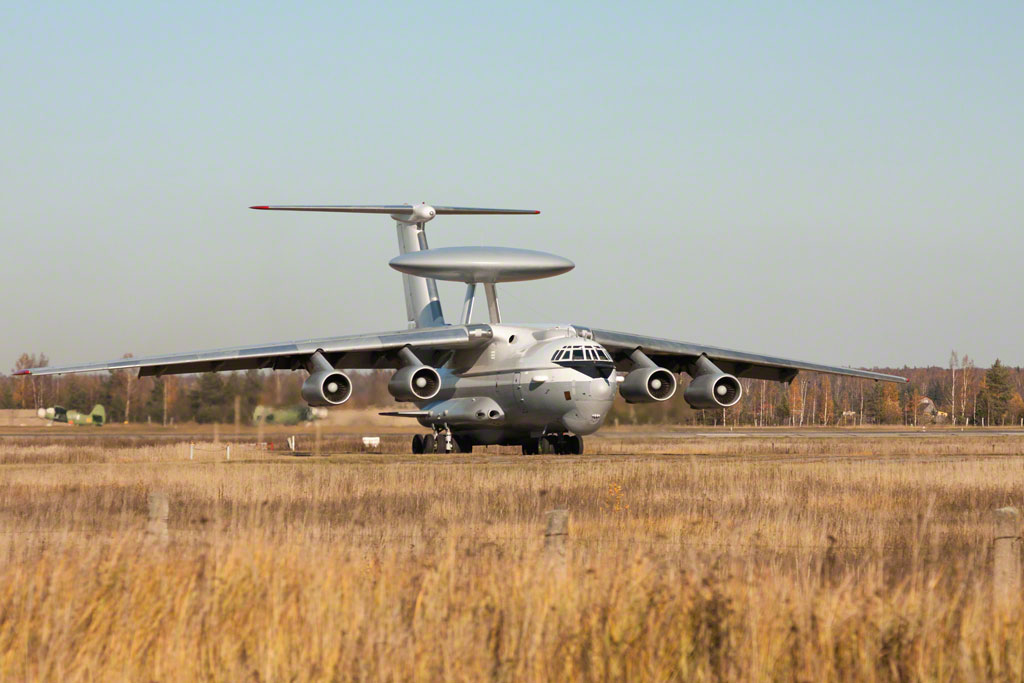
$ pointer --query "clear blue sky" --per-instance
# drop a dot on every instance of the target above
(833, 182)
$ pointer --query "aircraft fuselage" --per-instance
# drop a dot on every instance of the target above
(527, 382)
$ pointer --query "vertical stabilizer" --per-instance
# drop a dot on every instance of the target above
(422, 304)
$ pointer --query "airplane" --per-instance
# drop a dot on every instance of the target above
(540, 387)
(96, 418)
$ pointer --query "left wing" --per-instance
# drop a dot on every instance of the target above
(430, 344)
(680, 357)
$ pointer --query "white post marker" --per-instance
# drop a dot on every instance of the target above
(191, 450)
(229, 452)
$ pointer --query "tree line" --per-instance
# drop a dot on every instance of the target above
(959, 394)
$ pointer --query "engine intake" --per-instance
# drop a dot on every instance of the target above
(647, 385)
(326, 388)
(713, 391)
(415, 383)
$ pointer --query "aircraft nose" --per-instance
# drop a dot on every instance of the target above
(586, 416)
(601, 389)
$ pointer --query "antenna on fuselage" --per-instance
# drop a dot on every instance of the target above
(422, 303)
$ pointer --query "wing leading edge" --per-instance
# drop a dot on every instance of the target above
(352, 352)
(395, 209)
(679, 357)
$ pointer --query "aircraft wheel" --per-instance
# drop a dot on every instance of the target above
(530, 447)
(463, 445)
(547, 446)
(417, 444)
(429, 444)
(575, 445)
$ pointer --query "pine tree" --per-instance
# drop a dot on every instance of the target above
(996, 392)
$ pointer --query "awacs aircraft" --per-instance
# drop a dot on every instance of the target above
(539, 387)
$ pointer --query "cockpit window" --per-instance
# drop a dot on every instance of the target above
(584, 353)
(589, 359)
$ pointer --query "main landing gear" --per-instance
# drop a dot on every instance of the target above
(549, 444)
(442, 441)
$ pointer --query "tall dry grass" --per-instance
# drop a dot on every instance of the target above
(377, 567)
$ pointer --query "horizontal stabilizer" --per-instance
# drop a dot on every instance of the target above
(398, 209)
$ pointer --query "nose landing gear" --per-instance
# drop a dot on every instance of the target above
(441, 441)
(550, 444)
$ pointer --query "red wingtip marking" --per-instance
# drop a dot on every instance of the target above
(259, 207)
(536, 212)
(23, 372)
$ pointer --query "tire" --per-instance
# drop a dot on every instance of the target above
(417, 444)
(530, 447)
(547, 446)
(575, 445)
(463, 445)
(429, 444)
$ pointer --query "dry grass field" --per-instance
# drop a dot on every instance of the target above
(764, 557)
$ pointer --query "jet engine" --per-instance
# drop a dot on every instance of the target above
(713, 390)
(326, 388)
(647, 385)
(415, 383)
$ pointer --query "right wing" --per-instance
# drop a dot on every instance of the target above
(680, 356)
(430, 344)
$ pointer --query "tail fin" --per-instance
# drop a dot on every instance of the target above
(422, 304)
(98, 414)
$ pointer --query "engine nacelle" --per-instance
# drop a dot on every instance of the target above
(647, 385)
(326, 388)
(415, 383)
(713, 391)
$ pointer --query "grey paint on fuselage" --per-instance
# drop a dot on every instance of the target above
(514, 376)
